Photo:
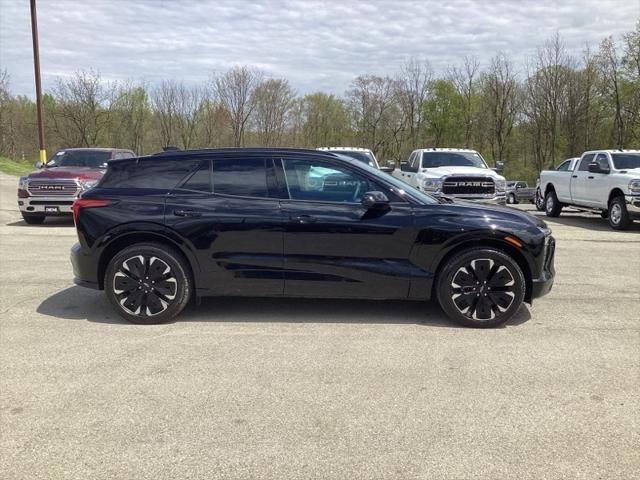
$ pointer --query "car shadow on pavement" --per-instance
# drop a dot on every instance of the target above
(77, 303)
(66, 221)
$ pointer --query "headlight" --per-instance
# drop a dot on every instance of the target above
(501, 185)
(87, 184)
(432, 184)
(23, 183)
(634, 185)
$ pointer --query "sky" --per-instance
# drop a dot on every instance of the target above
(316, 45)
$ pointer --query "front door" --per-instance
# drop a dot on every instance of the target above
(335, 247)
(582, 181)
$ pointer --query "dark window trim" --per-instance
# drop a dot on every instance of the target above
(180, 185)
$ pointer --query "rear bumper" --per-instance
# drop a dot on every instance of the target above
(85, 271)
(46, 205)
(633, 204)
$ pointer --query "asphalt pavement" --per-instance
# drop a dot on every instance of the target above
(304, 389)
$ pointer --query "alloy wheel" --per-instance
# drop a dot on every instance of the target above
(145, 285)
(615, 213)
(483, 289)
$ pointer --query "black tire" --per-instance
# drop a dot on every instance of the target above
(511, 198)
(539, 201)
(552, 206)
(619, 218)
(148, 283)
(475, 290)
(33, 218)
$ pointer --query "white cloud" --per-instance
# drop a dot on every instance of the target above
(315, 44)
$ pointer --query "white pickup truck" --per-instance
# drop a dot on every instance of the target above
(607, 181)
(453, 172)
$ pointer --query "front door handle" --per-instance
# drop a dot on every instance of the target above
(187, 213)
(590, 178)
(303, 219)
(574, 176)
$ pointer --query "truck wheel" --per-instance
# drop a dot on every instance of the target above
(481, 287)
(539, 201)
(33, 218)
(511, 198)
(618, 215)
(148, 283)
(552, 206)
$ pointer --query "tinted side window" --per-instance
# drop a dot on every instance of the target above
(163, 174)
(584, 163)
(200, 180)
(319, 181)
(564, 166)
(244, 177)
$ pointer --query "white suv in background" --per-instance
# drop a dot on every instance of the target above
(363, 155)
(453, 172)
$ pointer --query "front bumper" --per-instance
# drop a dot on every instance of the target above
(633, 204)
(497, 199)
(542, 285)
(46, 205)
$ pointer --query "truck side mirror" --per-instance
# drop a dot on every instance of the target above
(404, 166)
(595, 167)
(499, 167)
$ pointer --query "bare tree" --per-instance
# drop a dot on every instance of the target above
(464, 79)
(131, 111)
(500, 95)
(165, 105)
(412, 89)
(188, 112)
(609, 64)
(235, 92)
(273, 99)
(83, 108)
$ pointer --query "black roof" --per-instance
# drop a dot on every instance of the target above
(251, 150)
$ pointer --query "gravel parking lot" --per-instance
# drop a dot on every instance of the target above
(277, 388)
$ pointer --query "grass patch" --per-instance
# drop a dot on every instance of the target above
(16, 167)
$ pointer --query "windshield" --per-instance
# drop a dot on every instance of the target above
(626, 161)
(80, 158)
(452, 159)
(400, 187)
(364, 157)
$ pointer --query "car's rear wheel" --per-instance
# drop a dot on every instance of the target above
(552, 206)
(148, 283)
(33, 218)
(481, 287)
(619, 218)
(511, 198)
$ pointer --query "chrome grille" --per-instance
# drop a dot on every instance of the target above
(53, 188)
(468, 186)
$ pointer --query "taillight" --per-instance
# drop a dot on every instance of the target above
(86, 203)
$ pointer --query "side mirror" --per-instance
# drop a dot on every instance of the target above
(499, 167)
(39, 164)
(404, 166)
(595, 168)
(389, 167)
(375, 201)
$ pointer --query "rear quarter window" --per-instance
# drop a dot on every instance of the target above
(153, 173)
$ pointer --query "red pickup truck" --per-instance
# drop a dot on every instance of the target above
(51, 190)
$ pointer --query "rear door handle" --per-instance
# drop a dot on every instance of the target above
(187, 213)
(574, 176)
(590, 178)
(303, 219)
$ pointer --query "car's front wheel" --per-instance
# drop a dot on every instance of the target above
(539, 201)
(618, 215)
(481, 287)
(148, 283)
(511, 198)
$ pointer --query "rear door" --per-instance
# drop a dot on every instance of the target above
(333, 246)
(227, 215)
(581, 181)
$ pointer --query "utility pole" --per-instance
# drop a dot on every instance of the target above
(36, 67)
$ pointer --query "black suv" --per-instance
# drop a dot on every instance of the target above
(160, 230)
